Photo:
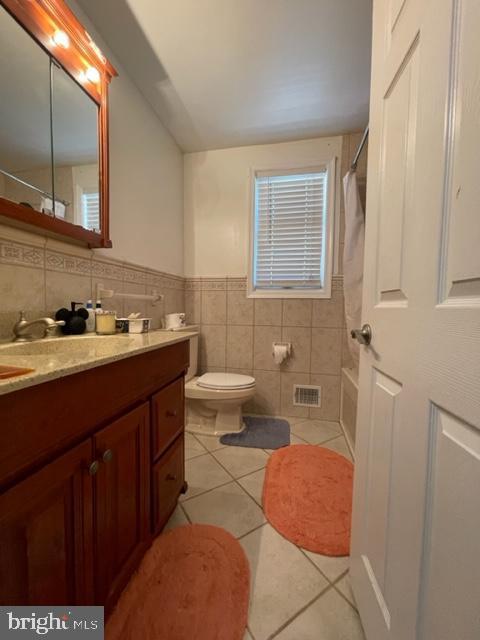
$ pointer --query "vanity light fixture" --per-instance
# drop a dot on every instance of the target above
(61, 39)
(92, 75)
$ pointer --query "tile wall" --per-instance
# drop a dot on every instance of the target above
(237, 335)
(39, 275)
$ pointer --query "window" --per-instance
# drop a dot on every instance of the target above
(91, 209)
(292, 231)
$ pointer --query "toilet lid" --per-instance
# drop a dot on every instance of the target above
(225, 381)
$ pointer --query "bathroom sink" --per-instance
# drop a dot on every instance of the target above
(68, 346)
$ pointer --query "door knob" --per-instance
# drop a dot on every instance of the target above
(363, 335)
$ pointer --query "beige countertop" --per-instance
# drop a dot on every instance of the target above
(53, 358)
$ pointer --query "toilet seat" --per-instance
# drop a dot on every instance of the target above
(194, 391)
(225, 381)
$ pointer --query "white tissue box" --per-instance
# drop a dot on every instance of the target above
(133, 325)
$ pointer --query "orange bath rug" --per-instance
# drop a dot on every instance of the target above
(192, 583)
(307, 497)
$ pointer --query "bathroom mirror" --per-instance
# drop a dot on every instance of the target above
(25, 140)
(76, 180)
(54, 123)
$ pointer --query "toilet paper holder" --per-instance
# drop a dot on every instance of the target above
(287, 353)
(283, 344)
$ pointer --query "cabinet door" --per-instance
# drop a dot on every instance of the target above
(121, 502)
(46, 534)
(168, 407)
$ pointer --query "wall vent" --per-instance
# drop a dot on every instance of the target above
(307, 395)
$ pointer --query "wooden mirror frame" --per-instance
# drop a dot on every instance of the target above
(41, 18)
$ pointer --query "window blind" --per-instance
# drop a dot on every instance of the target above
(91, 210)
(289, 240)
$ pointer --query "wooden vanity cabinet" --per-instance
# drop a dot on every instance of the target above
(75, 522)
(167, 482)
(46, 531)
(122, 501)
(167, 416)
(168, 451)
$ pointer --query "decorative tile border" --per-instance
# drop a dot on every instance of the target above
(153, 279)
(237, 284)
(21, 254)
(135, 276)
(162, 280)
(193, 284)
(107, 270)
(214, 284)
(56, 261)
(172, 282)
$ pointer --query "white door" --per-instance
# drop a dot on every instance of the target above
(416, 524)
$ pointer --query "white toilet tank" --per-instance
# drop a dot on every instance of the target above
(193, 368)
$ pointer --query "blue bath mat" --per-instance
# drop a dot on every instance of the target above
(260, 433)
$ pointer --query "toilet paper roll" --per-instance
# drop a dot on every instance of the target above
(280, 352)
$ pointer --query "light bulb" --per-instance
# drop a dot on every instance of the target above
(61, 39)
(92, 75)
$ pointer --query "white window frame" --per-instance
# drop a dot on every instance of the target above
(86, 192)
(81, 184)
(326, 290)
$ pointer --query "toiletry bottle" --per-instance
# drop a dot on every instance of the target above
(98, 309)
(91, 317)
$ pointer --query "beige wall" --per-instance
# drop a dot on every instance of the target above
(146, 184)
(218, 199)
(237, 332)
(146, 177)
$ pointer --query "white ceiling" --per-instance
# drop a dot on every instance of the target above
(224, 73)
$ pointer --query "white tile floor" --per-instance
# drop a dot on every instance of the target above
(295, 594)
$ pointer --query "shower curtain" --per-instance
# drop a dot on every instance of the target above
(353, 260)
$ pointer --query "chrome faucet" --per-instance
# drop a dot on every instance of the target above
(20, 328)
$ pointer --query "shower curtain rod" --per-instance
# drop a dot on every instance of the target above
(353, 166)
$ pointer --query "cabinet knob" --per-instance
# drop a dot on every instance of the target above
(107, 455)
(171, 476)
(171, 414)
(93, 468)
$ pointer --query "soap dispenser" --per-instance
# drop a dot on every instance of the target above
(90, 321)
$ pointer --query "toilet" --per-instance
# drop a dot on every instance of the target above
(214, 400)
